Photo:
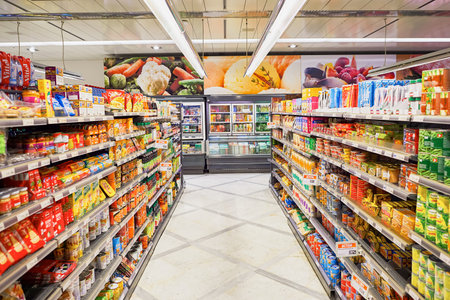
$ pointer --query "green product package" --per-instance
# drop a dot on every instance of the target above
(441, 168)
(421, 210)
(447, 171)
(419, 225)
(437, 142)
(442, 221)
(424, 140)
(430, 233)
(422, 194)
(446, 143)
(442, 239)
(432, 199)
(443, 203)
(434, 165)
(431, 216)
(423, 164)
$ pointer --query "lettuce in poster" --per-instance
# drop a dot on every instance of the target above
(153, 75)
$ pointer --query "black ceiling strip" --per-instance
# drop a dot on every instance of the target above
(426, 4)
(382, 27)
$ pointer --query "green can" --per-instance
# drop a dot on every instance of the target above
(447, 171)
(431, 216)
(415, 267)
(423, 259)
(429, 293)
(437, 142)
(422, 273)
(431, 265)
(423, 164)
(442, 221)
(416, 249)
(442, 239)
(430, 233)
(432, 199)
(439, 289)
(440, 272)
(419, 225)
(414, 280)
(430, 280)
(446, 143)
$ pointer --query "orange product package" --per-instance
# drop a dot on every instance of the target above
(29, 235)
(115, 99)
(58, 218)
(128, 103)
(13, 245)
(138, 102)
(43, 222)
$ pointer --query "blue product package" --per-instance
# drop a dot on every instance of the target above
(65, 104)
(117, 247)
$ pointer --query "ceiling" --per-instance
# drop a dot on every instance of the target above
(220, 27)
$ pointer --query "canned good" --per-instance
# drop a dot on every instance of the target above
(415, 267)
(422, 273)
(414, 280)
(431, 264)
(440, 273)
(429, 293)
(423, 258)
(416, 252)
(102, 261)
(430, 279)
(421, 287)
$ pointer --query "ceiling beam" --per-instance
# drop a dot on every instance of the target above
(29, 16)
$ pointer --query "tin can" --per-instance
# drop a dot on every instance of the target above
(421, 287)
(440, 272)
(414, 280)
(430, 279)
(423, 258)
(422, 273)
(415, 267)
(416, 249)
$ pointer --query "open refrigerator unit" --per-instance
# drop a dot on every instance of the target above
(236, 139)
(193, 126)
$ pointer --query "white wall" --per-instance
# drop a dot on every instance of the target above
(90, 70)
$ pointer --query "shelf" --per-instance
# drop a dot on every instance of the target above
(128, 136)
(434, 249)
(385, 151)
(129, 114)
(5, 123)
(300, 114)
(410, 290)
(130, 157)
(80, 151)
(162, 189)
(78, 185)
(153, 119)
(374, 222)
(219, 122)
(330, 114)
(127, 187)
(63, 120)
(244, 122)
(24, 212)
(402, 118)
(25, 166)
(339, 292)
(384, 185)
(170, 135)
(435, 185)
(431, 119)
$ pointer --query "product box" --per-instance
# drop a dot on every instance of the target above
(45, 90)
(55, 75)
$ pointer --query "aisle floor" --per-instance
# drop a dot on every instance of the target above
(228, 239)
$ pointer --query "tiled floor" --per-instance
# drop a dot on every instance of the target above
(228, 239)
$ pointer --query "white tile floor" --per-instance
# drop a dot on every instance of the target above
(228, 239)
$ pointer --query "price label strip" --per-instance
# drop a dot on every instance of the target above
(310, 179)
(161, 144)
(359, 285)
(346, 249)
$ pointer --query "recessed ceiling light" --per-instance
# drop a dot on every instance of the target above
(156, 47)
(292, 46)
(32, 49)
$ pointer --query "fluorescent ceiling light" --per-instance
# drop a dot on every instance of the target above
(229, 41)
(413, 62)
(282, 16)
(168, 17)
(32, 49)
(156, 47)
(292, 46)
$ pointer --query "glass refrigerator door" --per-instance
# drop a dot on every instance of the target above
(243, 118)
(192, 121)
(262, 114)
(238, 146)
(219, 119)
(193, 147)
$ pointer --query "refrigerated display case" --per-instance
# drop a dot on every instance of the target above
(193, 123)
(238, 146)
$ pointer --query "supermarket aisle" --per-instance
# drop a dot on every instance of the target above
(228, 239)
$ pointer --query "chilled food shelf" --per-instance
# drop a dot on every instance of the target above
(162, 189)
(80, 151)
(142, 264)
(385, 151)
(435, 250)
(64, 120)
(384, 185)
(76, 186)
(25, 166)
(431, 119)
(5, 123)
(24, 212)
(128, 135)
(217, 122)
(130, 157)
(374, 222)
(435, 185)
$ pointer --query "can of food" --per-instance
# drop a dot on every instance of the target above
(447, 279)
(422, 273)
(442, 239)
(416, 249)
(423, 258)
(415, 267)
(440, 272)
(83, 290)
(92, 273)
(115, 289)
(119, 282)
(414, 280)
(430, 279)
(430, 233)
(439, 289)
(117, 248)
(429, 293)
(431, 264)
(102, 261)
(431, 216)
(421, 287)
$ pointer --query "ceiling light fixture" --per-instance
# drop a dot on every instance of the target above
(32, 49)
(281, 17)
(412, 62)
(292, 46)
(230, 41)
(168, 17)
(156, 47)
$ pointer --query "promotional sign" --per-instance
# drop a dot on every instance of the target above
(331, 71)
(310, 179)
(359, 285)
(161, 144)
(346, 249)
(165, 166)
(166, 75)
(271, 125)
(277, 74)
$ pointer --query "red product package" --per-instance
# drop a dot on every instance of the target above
(6, 260)
(128, 103)
(29, 235)
(13, 244)
(50, 271)
(58, 218)
(6, 68)
(115, 99)
(25, 63)
(43, 221)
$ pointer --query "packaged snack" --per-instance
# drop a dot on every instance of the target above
(116, 99)
(13, 244)
(107, 188)
(13, 292)
(29, 235)
(49, 271)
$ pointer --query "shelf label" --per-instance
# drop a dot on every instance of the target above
(26, 122)
(310, 179)
(165, 166)
(359, 285)
(271, 125)
(346, 249)
(414, 177)
(8, 172)
(161, 144)
(388, 189)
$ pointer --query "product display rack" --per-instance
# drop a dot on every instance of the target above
(399, 280)
(54, 291)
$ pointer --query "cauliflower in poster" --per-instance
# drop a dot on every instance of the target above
(154, 78)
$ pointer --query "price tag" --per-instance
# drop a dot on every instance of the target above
(397, 242)
(398, 156)
(32, 263)
(388, 153)
(357, 174)
(403, 118)
(368, 117)
(161, 144)
(445, 258)
(310, 179)
(8, 172)
(62, 156)
(346, 249)
(26, 122)
(419, 118)
(388, 189)
(414, 177)
(386, 117)
(360, 286)
(271, 125)
(369, 148)
(371, 181)
(354, 144)
(165, 166)
(22, 215)
(33, 165)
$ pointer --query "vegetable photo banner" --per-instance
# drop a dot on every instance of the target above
(152, 75)
(277, 74)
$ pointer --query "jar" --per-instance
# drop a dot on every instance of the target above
(15, 198)
(115, 289)
(5, 203)
(394, 174)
